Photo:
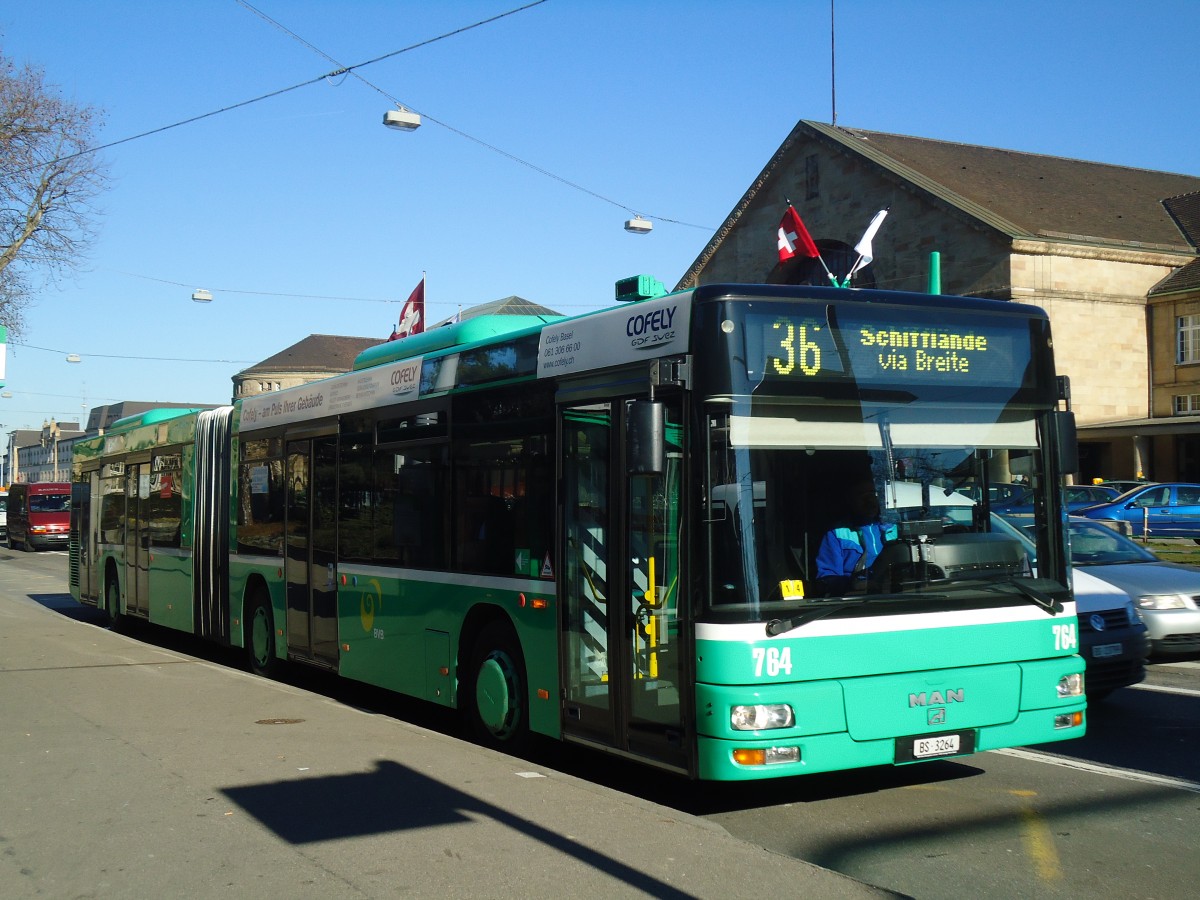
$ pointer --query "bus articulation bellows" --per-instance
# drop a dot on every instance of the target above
(604, 528)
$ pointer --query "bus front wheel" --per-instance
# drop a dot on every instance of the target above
(495, 693)
(260, 637)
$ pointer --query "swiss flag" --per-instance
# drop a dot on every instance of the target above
(412, 316)
(794, 239)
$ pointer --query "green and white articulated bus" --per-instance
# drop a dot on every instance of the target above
(603, 529)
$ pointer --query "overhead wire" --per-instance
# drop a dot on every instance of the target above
(144, 358)
(352, 70)
(257, 293)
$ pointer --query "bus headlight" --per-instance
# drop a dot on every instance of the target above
(761, 717)
(1070, 685)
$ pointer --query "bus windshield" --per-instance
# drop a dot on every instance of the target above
(807, 504)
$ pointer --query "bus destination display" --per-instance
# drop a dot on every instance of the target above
(879, 351)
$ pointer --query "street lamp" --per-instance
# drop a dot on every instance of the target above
(402, 119)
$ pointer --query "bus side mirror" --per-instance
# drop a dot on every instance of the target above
(645, 438)
(1066, 439)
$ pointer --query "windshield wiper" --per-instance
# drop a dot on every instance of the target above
(822, 608)
(1033, 588)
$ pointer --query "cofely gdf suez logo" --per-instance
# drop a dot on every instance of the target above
(406, 379)
(647, 330)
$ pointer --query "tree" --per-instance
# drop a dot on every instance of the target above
(49, 180)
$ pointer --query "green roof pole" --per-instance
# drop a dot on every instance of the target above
(935, 272)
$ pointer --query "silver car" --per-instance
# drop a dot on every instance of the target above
(1112, 638)
(1167, 594)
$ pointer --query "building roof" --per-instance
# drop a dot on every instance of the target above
(330, 353)
(1185, 211)
(508, 306)
(1027, 196)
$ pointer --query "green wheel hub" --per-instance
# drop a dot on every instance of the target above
(497, 695)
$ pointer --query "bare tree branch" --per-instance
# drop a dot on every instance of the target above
(47, 190)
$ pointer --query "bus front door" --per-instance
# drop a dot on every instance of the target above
(137, 538)
(310, 563)
(623, 650)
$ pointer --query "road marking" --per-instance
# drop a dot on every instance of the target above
(1127, 774)
(1183, 692)
(1039, 844)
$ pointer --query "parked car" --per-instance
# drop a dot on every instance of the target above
(1123, 486)
(1075, 496)
(1171, 509)
(1113, 638)
(998, 492)
(3, 515)
(1166, 594)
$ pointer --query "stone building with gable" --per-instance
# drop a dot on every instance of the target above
(1088, 242)
(311, 359)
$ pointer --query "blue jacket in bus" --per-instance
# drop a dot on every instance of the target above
(842, 548)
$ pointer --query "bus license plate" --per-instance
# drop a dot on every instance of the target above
(1100, 651)
(942, 745)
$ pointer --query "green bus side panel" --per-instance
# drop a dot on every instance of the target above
(171, 590)
(401, 634)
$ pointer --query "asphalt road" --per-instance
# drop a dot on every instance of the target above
(1114, 814)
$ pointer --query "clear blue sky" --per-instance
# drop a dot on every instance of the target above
(667, 108)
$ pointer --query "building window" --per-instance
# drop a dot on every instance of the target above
(1189, 340)
(812, 178)
(1185, 404)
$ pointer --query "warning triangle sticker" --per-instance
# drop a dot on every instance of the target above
(547, 569)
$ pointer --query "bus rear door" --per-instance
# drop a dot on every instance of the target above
(137, 537)
(311, 548)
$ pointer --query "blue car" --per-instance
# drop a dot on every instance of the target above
(1170, 509)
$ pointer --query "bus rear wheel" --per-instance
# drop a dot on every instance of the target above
(496, 697)
(260, 637)
(112, 603)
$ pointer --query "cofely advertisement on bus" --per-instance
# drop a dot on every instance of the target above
(617, 336)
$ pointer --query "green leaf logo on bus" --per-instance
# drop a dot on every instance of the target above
(369, 601)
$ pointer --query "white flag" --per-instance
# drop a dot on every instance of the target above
(863, 247)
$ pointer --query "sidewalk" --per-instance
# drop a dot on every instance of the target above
(128, 770)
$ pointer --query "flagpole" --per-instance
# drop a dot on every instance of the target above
(832, 67)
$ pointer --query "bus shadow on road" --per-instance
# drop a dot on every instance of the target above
(395, 798)
(66, 605)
